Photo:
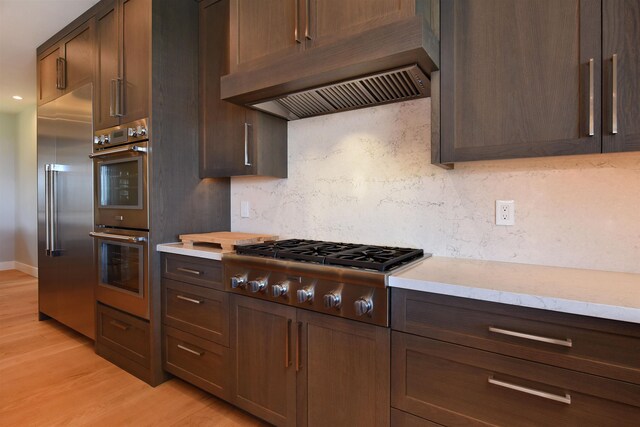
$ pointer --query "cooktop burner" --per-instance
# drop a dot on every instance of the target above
(378, 258)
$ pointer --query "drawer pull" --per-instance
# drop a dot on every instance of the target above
(562, 399)
(195, 301)
(119, 325)
(190, 271)
(565, 343)
(188, 350)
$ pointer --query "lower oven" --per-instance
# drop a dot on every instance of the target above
(123, 269)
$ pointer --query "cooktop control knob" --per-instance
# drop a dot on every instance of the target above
(332, 299)
(132, 132)
(141, 131)
(280, 289)
(257, 285)
(239, 282)
(305, 295)
(96, 140)
(104, 139)
(363, 306)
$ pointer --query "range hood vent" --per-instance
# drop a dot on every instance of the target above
(390, 86)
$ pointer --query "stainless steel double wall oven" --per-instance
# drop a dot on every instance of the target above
(121, 200)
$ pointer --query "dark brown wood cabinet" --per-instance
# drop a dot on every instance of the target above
(535, 78)
(123, 58)
(458, 361)
(296, 367)
(234, 140)
(66, 65)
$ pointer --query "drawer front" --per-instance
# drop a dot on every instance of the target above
(598, 346)
(198, 271)
(200, 311)
(124, 334)
(200, 362)
(454, 385)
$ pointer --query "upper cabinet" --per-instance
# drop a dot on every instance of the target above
(66, 65)
(532, 78)
(123, 62)
(234, 140)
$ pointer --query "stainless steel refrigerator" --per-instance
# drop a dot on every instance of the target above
(66, 271)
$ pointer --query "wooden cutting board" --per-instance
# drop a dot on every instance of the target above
(227, 240)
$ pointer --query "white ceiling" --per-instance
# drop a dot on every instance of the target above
(25, 25)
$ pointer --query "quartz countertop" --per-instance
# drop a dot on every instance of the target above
(604, 294)
(196, 250)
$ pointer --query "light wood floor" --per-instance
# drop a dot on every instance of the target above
(49, 376)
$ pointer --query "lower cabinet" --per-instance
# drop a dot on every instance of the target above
(296, 367)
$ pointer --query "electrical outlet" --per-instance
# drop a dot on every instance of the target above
(505, 212)
(244, 209)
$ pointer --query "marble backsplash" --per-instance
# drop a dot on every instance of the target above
(365, 176)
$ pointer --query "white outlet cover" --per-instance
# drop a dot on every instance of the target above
(244, 209)
(505, 212)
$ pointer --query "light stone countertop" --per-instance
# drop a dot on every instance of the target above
(604, 294)
(199, 251)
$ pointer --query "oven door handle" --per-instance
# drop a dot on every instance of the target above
(133, 148)
(133, 239)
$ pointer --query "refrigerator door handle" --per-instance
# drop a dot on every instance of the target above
(47, 208)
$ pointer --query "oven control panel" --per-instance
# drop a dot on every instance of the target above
(126, 133)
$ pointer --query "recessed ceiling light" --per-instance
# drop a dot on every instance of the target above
(17, 97)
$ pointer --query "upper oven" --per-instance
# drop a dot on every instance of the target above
(120, 178)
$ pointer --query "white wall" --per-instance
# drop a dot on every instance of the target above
(26, 234)
(8, 137)
(365, 176)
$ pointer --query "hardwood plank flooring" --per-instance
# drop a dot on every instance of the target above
(50, 376)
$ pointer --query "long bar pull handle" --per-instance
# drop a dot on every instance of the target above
(287, 345)
(565, 343)
(119, 98)
(299, 347)
(190, 271)
(132, 239)
(591, 99)
(192, 300)
(53, 204)
(296, 22)
(188, 350)
(134, 148)
(614, 94)
(120, 325)
(562, 399)
(246, 144)
(112, 91)
(61, 73)
(307, 31)
(47, 208)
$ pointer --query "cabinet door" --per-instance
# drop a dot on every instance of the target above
(621, 103)
(135, 16)
(344, 375)
(107, 64)
(263, 341)
(327, 20)
(265, 28)
(79, 55)
(48, 74)
(520, 78)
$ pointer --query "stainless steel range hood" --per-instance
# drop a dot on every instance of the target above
(386, 64)
(390, 86)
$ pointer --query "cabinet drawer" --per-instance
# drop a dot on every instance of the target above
(598, 346)
(201, 362)
(197, 310)
(126, 335)
(199, 271)
(454, 385)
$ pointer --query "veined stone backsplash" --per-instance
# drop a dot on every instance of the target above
(365, 176)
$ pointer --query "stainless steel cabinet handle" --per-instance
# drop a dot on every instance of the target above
(614, 94)
(134, 148)
(565, 343)
(296, 22)
(61, 73)
(562, 399)
(188, 350)
(287, 345)
(112, 90)
(307, 31)
(119, 325)
(183, 298)
(119, 98)
(591, 99)
(190, 271)
(246, 144)
(133, 239)
(299, 347)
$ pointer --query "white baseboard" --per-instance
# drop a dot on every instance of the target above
(15, 265)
